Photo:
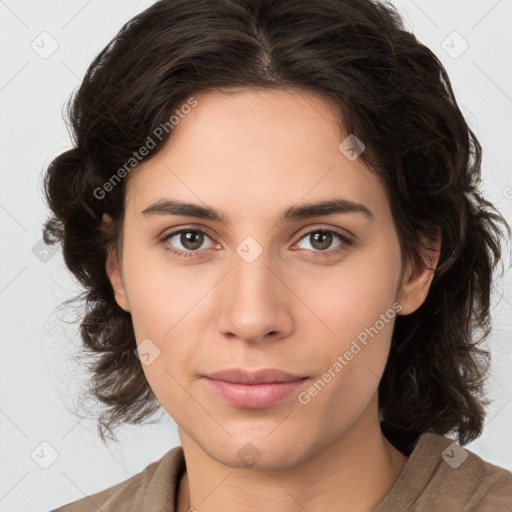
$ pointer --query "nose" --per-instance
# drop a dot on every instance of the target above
(255, 303)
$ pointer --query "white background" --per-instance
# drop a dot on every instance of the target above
(39, 382)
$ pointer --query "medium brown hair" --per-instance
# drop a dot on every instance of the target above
(393, 94)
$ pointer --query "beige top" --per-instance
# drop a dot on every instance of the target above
(439, 476)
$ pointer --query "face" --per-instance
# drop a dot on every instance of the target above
(253, 290)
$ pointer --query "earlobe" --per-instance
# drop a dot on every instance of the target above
(418, 277)
(116, 280)
(113, 270)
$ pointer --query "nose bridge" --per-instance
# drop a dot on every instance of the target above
(252, 305)
(251, 273)
(252, 280)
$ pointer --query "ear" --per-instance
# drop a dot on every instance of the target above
(417, 278)
(113, 270)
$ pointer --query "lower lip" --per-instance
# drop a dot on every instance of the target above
(254, 396)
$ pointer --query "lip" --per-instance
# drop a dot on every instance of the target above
(254, 390)
(263, 376)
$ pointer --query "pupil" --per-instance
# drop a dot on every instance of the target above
(187, 240)
(320, 240)
(326, 242)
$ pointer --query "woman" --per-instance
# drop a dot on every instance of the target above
(274, 209)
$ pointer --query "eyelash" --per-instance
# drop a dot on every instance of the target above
(191, 254)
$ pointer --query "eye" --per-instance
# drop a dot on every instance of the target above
(190, 239)
(321, 240)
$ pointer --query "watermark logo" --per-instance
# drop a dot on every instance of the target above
(351, 147)
(343, 360)
(249, 454)
(454, 455)
(249, 249)
(147, 352)
(44, 252)
(44, 455)
(454, 45)
(145, 149)
(45, 45)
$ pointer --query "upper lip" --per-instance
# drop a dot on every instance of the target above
(241, 376)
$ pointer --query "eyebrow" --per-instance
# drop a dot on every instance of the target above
(298, 212)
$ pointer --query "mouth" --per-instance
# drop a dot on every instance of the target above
(254, 390)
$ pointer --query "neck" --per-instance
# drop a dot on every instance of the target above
(355, 471)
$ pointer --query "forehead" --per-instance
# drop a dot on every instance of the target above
(256, 150)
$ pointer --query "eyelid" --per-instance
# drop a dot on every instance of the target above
(181, 253)
(328, 228)
(346, 240)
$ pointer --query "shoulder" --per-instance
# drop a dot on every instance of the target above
(442, 475)
(480, 484)
(155, 485)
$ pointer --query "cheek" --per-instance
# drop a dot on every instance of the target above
(361, 315)
(158, 294)
(357, 308)
(352, 297)
(164, 301)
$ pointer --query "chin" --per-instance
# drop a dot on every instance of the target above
(259, 452)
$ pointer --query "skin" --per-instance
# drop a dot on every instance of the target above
(251, 154)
